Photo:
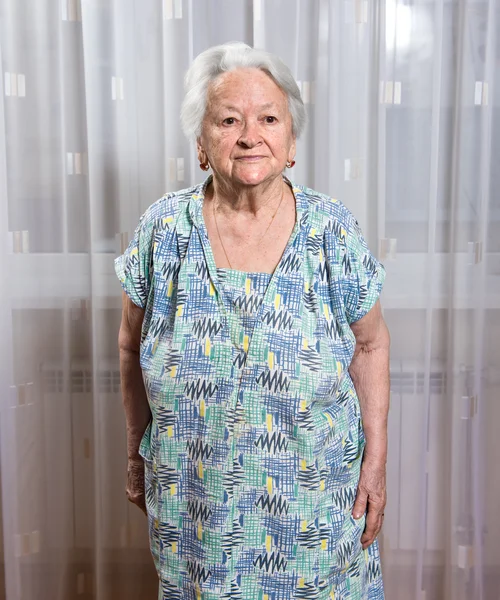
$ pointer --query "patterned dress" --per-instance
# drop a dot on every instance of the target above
(253, 454)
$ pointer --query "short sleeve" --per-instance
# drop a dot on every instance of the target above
(363, 275)
(134, 266)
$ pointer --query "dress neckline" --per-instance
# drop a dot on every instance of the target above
(295, 243)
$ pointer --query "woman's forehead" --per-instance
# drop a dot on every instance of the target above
(244, 86)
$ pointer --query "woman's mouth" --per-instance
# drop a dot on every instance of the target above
(249, 158)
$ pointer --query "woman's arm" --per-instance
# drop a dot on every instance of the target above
(135, 401)
(370, 374)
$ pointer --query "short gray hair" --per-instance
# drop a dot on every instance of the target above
(211, 63)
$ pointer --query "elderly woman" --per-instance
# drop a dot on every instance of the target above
(254, 360)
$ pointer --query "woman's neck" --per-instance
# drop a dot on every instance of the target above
(245, 198)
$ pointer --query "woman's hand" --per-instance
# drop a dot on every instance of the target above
(371, 498)
(135, 483)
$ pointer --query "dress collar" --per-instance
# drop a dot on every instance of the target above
(295, 243)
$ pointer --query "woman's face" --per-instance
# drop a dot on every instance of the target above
(247, 129)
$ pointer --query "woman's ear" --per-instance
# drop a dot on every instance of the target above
(199, 149)
(202, 156)
(293, 149)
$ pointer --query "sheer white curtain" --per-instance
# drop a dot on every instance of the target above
(403, 98)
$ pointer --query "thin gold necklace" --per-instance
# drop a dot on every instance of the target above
(263, 235)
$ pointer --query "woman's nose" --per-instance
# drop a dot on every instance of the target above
(250, 135)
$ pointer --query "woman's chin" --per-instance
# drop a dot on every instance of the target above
(251, 174)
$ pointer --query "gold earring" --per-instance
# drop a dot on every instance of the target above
(204, 166)
(290, 164)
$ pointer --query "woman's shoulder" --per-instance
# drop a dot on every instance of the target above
(327, 213)
(164, 211)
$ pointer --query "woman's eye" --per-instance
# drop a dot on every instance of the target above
(228, 121)
(270, 119)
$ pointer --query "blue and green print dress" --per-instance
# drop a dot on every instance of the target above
(253, 453)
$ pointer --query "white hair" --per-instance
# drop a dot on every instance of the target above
(211, 63)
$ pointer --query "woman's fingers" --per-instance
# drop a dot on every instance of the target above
(138, 498)
(135, 484)
(360, 504)
(374, 521)
(372, 496)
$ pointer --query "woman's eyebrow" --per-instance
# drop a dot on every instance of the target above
(266, 106)
(229, 107)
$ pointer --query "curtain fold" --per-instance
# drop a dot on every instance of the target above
(403, 104)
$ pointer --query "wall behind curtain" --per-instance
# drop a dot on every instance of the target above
(403, 100)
